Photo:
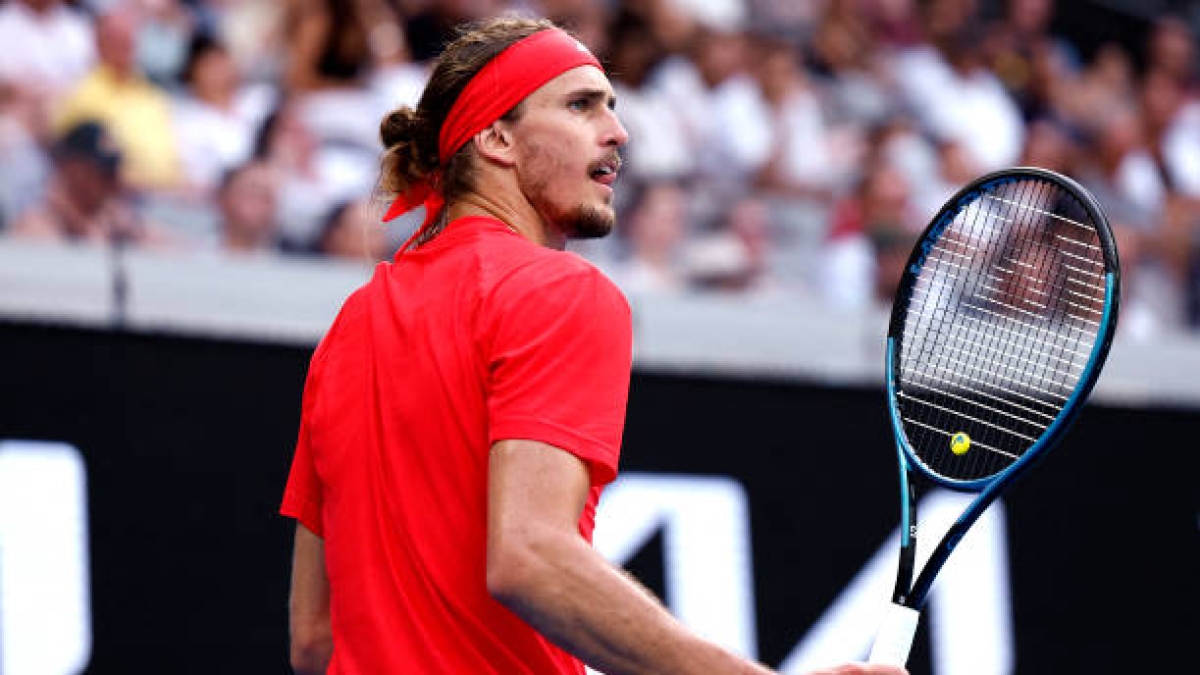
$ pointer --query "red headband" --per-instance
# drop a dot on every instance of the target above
(515, 73)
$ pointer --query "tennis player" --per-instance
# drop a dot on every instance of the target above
(464, 411)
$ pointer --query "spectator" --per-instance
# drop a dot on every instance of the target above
(714, 93)
(812, 159)
(24, 165)
(1121, 171)
(351, 233)
(1020, 47)
(749, 221)
(327, 68)
(983, 118)
(164, 35)
(658, 149)
(1172, 102)
(588, 20)
(85, 201)
(655, 226)
(1050, 145)
(1171, 49)
(48, 47)
(431, 27)
(135, 111)
(1171, 124)
(735, 256)
(216, 116)
(336, 48)
(847, 62)
(254, 32)
(1124, 177)
(247, 200)
(306, 189)
(1106, 83)
(717, 262)
(806, 162)
(876, 216)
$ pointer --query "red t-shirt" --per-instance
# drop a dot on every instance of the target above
(475, 337)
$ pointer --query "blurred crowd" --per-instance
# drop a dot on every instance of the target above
(778, 147)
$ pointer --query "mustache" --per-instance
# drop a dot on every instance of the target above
(613, 160)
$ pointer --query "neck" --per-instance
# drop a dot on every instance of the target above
(508, 205)
(116, 73)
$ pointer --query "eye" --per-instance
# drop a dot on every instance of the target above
(579, 104)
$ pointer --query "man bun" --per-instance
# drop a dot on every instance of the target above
(410, 149)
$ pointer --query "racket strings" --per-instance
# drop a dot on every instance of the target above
(1000, 326)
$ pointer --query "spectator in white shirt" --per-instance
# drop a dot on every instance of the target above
(216, 117)
(48, 46)
(654, 227)
(954, 96)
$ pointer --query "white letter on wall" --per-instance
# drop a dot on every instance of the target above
(707, 566)
(45, 615)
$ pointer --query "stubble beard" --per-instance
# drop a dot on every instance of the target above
(588, 222)
(583, 221)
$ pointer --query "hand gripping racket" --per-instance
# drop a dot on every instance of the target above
(999, 329)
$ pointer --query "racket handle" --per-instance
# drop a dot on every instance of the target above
(895, 636)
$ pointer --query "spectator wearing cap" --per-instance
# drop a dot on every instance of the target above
(135, 111)
(84, 201)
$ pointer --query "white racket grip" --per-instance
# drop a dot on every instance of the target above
(895, 636)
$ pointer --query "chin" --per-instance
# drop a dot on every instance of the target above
(590, 223)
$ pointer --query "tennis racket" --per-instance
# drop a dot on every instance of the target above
(999, 328)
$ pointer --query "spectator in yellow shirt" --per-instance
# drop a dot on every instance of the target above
(135, 111)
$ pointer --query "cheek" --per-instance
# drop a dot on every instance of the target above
(550, 169)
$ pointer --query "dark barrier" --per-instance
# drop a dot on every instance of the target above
(186, 444)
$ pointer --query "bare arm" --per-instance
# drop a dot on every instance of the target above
(311, 633)
(543, 570)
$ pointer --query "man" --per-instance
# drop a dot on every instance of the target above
(248, 201)
(464, 411)
(135, 111)
(85, 201)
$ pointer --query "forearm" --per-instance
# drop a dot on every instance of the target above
(311, 634)
(570, 594)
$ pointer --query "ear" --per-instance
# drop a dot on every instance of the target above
(495, 143)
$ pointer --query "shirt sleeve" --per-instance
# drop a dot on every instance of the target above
(560, 350)
(303, 497)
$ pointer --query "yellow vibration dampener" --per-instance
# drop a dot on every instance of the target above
(960, 443)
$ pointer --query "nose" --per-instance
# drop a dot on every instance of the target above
(615, 134)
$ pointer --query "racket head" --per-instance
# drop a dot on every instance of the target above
(1001, 323)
